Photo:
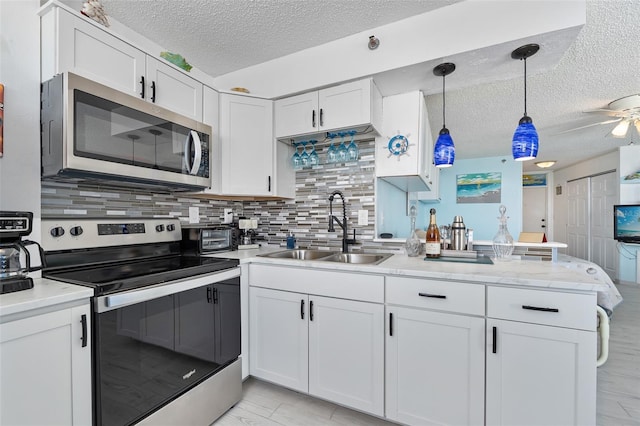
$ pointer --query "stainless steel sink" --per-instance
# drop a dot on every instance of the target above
(299, 254)
(360, 258)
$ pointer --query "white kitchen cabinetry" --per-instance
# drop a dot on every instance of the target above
(434, 360)
(211, 116)
(45, 369)
(541, 356)
(73, 43)
(279, 337)
(327, 346)
(404, 151)
(348, 105)
(247, 145)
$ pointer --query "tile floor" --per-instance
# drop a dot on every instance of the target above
(618, 386)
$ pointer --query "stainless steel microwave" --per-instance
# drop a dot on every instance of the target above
(93, 132)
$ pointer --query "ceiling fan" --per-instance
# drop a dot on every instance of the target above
(626, 112)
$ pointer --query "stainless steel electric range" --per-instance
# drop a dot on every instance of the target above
(165, 325)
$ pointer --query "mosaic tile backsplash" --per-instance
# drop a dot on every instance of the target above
(307, 216)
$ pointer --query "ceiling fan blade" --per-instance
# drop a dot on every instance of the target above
(615, 120)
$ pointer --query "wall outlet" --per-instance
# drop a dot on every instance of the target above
(363, 217)
(194, 214)
(228, 216)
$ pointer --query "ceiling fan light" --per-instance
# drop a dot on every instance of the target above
(620, 131)
(444, 151)
(525, 140)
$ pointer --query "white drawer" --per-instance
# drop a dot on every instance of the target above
(560, 309)
(432, 294)
(344, 285)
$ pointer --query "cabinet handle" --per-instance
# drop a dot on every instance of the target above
(83, 321)
(321, 117)
(153, 92)
(495, 340)
(434, 296)
(209, 295)
(142, 86)
(215, 296)
(390, 324)
(311, 310)
(269, 184)
(302, 309)
(313, 118)
(536, 308)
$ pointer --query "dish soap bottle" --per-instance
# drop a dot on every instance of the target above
(412, 246)
(503, 241)
(433, 236)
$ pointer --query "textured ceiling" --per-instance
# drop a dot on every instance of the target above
(235, 34)
(600, 65)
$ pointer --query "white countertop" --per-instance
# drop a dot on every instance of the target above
(567, 274)
(45, 293)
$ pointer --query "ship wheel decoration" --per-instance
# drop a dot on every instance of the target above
(398, 145)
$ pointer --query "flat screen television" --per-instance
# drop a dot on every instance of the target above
(626, 223)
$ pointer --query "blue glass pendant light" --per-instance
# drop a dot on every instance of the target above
(444, 152)
(525, 140)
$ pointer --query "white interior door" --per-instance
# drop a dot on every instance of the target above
(604, 194)
(578, 220)
(534, 209)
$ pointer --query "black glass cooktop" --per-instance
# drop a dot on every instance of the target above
(122, 276)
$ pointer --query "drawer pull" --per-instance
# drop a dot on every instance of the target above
(495, 340)
(434, 296)
(311, 310)
(302, 309)
(536, 308)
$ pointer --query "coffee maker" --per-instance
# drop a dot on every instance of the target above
(247, 233)
(15, 258)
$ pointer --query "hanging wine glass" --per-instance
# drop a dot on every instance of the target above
(342, 149)
(304, 157)
(352, 149)
(296, 161)
(314, 160)
(332, 152)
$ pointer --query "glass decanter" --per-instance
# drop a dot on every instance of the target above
(413, 244)
(503, 241)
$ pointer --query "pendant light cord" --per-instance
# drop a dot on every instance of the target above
(525, 86)
(444, 126)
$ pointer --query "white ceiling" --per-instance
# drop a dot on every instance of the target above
(600, 65)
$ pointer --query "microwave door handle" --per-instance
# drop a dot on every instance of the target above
(197, 160)
(187, 152)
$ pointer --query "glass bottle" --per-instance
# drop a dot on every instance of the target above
(412, 246)
(503, 241)
(433, 236)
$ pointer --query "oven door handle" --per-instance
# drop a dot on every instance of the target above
(119, 300)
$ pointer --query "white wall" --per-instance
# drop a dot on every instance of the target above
(20, 74)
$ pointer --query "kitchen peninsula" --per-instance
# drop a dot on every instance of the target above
(429, 341)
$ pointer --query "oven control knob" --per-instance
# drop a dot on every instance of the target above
(76, 231)
(171, 227)
(159, 228)
(56, 232)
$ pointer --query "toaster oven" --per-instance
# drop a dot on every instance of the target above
(202, 239)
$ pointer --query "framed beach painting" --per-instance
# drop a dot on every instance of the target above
(479, 188)
(536, 179)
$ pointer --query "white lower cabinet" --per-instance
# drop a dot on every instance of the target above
(540, 372)
(434, 367)
(540, 375)
(45, 369)
(331, 348)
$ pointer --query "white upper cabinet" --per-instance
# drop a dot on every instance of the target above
(171, 89)
(247, 145)
(404, 149)
(348, 105)
(73, 43)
